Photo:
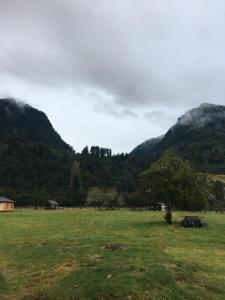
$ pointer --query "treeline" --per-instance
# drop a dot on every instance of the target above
(170, 180)
(32, 173)
(97, 152)
(121, 181)
(101, 170)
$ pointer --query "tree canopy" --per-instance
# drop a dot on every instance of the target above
(108, 197)
(173, 181)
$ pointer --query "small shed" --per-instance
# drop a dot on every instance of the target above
(6, 204)
(163, 207)
(158, 206)
(52, 204)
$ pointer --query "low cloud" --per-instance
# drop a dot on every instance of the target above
(155, 116)
(202, 115)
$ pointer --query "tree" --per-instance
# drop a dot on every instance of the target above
(76, 184)
(107, 197)
(110, 196)
(94, 197)
(95, 151)
(85, 151)
(173, 181)
(121, 201)
(216, 199)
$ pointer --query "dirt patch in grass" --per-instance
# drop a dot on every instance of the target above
(95, 257)
(3, 283)
(42, 243)
(47, 278)
(181, 279)
(171, 267)
(113, 247)
(65, 247)
(219, 252)
(135, 269)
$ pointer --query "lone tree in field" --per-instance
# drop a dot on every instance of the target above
(173, 181)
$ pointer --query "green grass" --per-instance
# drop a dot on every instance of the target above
(61, 255)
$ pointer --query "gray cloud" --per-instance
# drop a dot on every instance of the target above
(123, 57)
(129, 113)
(155, 115)
(136, 51)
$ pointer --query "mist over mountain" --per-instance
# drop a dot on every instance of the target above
(198, 135)
(205, 115)
(21, 121)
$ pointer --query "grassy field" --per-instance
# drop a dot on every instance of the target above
(62, 255)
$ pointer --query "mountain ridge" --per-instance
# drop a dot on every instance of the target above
(19, 120)
(198, 136)
(147, 147)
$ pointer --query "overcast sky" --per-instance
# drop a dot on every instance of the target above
(112, 72)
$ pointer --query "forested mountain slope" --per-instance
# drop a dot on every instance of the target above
(21, 121)
(198, 136)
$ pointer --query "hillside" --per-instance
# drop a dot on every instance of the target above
(145, 150)
(35, 163)
(198, 135)
(23, 122)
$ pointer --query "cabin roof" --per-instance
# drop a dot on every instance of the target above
(6, 200)
(53, 202)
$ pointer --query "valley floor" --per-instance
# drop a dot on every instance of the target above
(62, 255)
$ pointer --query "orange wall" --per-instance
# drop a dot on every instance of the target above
(6, 206)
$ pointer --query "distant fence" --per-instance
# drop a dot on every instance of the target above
(126, 208)
(130, 208)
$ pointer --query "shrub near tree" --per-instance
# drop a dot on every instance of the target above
(107, 197)
(94, 197)
(173, 181)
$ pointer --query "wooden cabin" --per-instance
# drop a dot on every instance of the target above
(6, 204)
(51, 204)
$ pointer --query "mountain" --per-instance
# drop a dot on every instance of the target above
(145, 150)
(35, 163)
(21, 121)
(198, 136)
